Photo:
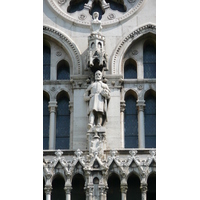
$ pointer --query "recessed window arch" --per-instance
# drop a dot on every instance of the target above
(149, 59)
(151, 182)
(46, 61)
(45, 121)
(150, 119)
(130, 69)
(63, 70)
(62, 121)
(134, 191)
(114, 192)
(78, 183)
(58, 185)
(131, 120)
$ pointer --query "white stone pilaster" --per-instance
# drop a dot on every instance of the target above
(52, 126)
(124, 189)
(143, 192)
(48, 190)
(122, 108)
(141, 129)
(68, 192)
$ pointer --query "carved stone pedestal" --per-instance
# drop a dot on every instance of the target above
(96, 140)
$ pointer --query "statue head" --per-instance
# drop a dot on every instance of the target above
(96, 16)
(98, 75)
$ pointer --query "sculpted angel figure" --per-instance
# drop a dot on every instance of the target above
(97, 94)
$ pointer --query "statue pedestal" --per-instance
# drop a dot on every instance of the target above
(96, 140)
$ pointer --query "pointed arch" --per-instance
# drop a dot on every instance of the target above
(114, 191)
(124, 44)
(78, 183)
(134, 191)
(58, 185)
(63, 70)
(68, 45)
(130, 69)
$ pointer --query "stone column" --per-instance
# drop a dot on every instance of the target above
(124, 189)
(102, 191)
(143, 192)
(52, 126)
(141, 129)
(68, 192)
(91, 193)
(48, 190)
(71, 124)
(122, 108)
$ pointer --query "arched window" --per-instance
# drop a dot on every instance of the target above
(130, 69)
(45, 121)
(62, 122)
(134, 191)
(63, 71)
(77, 192)
(150, 120)
(151, 182)
(131, 122)
(114, 192)
(46, 62)
(149, 60)
(58, 189)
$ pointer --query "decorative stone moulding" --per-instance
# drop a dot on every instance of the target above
(126, 42)
(109, 18)
(67, 43)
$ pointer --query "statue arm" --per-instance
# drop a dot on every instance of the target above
(86, 94)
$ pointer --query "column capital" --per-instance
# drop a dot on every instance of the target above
(52, 106)
(71, 105)
(48, 189)
(67, 189)
(140, 104)
(143, 188)
(124, 189)
(122, 106)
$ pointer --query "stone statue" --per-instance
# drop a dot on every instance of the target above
(97, 94)
(96, 24)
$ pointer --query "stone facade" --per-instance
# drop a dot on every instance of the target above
(88, 44)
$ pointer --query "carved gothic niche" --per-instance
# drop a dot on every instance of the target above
(96, 56)
(78, 169)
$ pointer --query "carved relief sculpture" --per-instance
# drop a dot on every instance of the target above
(97, 94)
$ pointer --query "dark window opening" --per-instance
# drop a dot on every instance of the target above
(62, 122)
(131, 123)
(150, 121)
(45, 122)
(114, 192)
(58, 192)
(134, 191)
(63, 71)
(46, 63)
(78, 192)
(149, 61)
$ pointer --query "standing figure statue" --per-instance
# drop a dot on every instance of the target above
(97, 94)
